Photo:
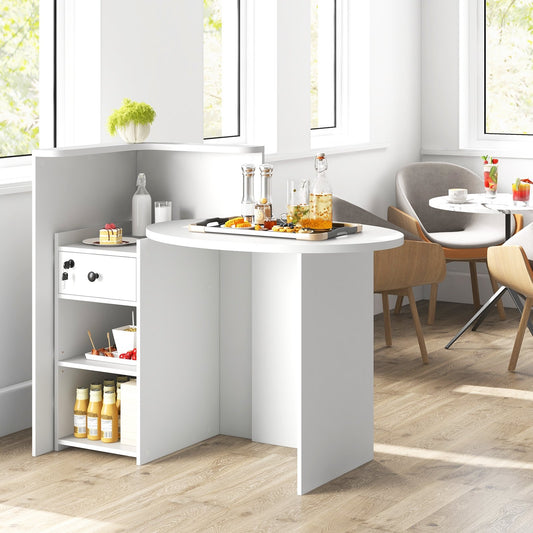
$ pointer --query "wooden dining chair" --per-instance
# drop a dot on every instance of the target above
(398, 270)
(510, 265)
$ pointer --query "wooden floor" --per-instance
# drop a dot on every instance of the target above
(454, 453)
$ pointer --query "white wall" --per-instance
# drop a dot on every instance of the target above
(15, 313)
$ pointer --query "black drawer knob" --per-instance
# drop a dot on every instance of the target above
(69, 263)
(64, 277)
(92, 276)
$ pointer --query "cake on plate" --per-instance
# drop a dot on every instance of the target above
(111, 234)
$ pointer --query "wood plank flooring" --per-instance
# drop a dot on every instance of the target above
(453, 453)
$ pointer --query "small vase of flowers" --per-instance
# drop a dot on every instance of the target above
(131, 121)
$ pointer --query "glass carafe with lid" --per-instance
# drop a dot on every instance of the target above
(247, 202)
(320, 197)
(263, 207)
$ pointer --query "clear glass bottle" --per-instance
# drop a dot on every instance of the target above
(141, 208)
(80, 412)
(320, 197)
(94, 410)
(247, 202)
(109, 418)
(263, 207)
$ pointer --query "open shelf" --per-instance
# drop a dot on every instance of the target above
(79, 361)
(115, 447)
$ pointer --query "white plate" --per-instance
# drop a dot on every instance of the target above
(95, 241)
(105, 359)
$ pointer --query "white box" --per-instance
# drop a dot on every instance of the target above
(129, 412)
(125, 341)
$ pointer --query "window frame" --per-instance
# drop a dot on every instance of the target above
(16, 167)
(472, 110)
(241, 76)
(336, 72)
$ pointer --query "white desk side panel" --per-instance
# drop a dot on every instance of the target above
(236, 344)
(336, 367)
(68, 193)
(277, 345)
(178, 348)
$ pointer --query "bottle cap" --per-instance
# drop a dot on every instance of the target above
(82, 393)
(141, 179)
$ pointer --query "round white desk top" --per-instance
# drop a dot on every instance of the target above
(481, 203)
(370, 239)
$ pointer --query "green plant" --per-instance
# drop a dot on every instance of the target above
(130, 111)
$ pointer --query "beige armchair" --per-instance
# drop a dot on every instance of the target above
(398, 270)
(510, 265)
(463, 236)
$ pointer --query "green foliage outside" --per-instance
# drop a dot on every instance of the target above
(130, 111)
(19, 79)
(509, 64)
(212, 69)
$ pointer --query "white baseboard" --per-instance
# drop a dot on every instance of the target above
(15, 408)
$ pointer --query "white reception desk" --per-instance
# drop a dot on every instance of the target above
(293, 325)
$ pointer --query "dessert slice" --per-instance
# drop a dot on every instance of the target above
(111, 234)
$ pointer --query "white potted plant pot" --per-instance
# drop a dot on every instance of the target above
(133, 132)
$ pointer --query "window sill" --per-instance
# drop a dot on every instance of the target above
(328, 150)
(16, 179)
(494, 150)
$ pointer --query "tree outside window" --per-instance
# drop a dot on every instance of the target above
(19, 82)
(509, 67)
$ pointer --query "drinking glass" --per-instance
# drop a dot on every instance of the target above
(490, 177)
(521, 193)
(297, 202)
(162, 211)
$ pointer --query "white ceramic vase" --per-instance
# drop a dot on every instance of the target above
(134, 133)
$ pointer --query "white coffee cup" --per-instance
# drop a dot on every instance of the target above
(457, 196)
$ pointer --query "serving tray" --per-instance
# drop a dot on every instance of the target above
(105, 359)
(216, 225)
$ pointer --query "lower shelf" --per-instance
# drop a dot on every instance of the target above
(116, 447)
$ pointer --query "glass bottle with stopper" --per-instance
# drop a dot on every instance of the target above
(141, 208)
(320, 197)
(263, 207)
(247, 202)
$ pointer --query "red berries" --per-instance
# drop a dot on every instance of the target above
(110, 226)
(132, 354)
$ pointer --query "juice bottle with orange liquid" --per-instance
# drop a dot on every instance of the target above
(109, 418)
(93, 414)
(320, 197)
(80, 412)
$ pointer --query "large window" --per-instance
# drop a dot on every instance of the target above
(221, 69)
(509, 67)
(19, 82)
(323, 64)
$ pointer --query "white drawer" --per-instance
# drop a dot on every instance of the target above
(115, 277)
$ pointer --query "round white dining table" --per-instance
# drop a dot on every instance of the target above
(483, 204)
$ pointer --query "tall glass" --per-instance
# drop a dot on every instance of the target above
(298, 202)
(490, 178)
(521, 192)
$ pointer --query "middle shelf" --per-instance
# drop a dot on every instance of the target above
(80, 362)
